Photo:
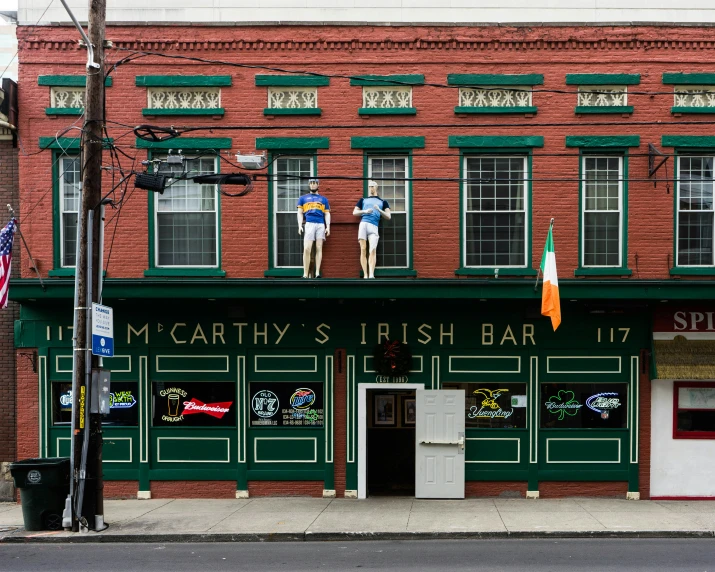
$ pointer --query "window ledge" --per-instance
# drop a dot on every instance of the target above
(692, 271)
(64, 110)
(185, 272)
(152, 111)
(393, 273)
(582, 109)
(284, 273)
(387, 111)
(495, 110)
(611, 271)
(492, 271)
(65, 272)
(692, 109)
(283, 111)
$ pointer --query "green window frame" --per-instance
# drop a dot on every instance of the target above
(604, 146)
(68, 81)
(496, 147)
(287, 148)
(495, 82)
(185, 82)
(191, 147)
(692, 81)
(64, 243)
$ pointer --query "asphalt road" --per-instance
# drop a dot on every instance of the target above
(650, 555)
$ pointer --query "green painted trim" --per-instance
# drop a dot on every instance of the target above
(610, 271)
(387, 142)
(692, 271)
(490, 271)
(680, 78)
(64, 143)
(676, 214)
(603, 78)
(375, 80)
(187, 272)
(283, 272)
(582, 109)
(56, 245)
(308, 111)
(603, 141)
(64, 110)
(292, 80)
(692, 109)
(180, 273)
(186, 143)
(622, 270)
(397, 272)
(183, 80)
(285, 475)
(387, 111)
(291, 143)
(215, 111)
(59, 272)
(478, 79)
(497, 141)
(259, 288)
(67, 80)
(706, 141)
(494, 110)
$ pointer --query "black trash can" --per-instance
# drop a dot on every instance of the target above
(44, 485)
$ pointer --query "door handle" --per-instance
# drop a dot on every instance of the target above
(460, 442)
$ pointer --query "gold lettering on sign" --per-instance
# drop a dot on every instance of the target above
(508, 335)
(144, 329)
(240, 326)
(256, 334)
(383, 330)
(319, 329)
(281, 332)
(177, 325)
(443, 334)
(425, 334)
(487, 334)
(199, 335)
(528, 332)
(362, 339)
(218, 332)
(404, 333)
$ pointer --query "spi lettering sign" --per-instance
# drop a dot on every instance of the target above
(102, 331)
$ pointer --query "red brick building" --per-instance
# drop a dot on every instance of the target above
(479, 136)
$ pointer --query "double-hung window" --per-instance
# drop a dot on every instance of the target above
(694, 214)
(391, 173)
(290, 181)
(69, 202)
(186, 217)
(495, 211)
(602, 211)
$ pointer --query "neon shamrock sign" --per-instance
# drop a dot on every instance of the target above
(563, 403)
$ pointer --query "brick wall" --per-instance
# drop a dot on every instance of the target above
(8, 195)
(28, 414)
(434, 52)
(285, 489)
(556, 490)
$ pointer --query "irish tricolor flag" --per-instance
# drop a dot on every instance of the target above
(550, 304)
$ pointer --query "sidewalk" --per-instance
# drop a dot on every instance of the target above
(301, 519)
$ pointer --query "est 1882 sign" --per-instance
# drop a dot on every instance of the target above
(102, 331)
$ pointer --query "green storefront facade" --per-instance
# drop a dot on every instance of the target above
(224, 361)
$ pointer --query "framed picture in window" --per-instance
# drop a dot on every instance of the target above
(409, 411)
(384, 410)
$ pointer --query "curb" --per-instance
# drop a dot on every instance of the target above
(93, 538)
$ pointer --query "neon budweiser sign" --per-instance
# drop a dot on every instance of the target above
(217, 410)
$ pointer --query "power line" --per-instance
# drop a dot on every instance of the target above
(12, 59)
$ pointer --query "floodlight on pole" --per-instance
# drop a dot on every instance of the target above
(251, 161)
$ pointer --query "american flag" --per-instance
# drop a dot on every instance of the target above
(6, 236)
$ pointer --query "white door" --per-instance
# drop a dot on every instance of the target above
(439, 450)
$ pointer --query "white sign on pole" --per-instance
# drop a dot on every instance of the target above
(102, 330)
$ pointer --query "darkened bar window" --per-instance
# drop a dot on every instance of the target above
(694, 405)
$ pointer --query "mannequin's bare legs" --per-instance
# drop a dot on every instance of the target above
(318, 256)
(307, 247)
(373, 261)
(363, 257)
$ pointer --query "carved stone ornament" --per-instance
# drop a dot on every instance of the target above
(184, 98)
(694, 96)
(602, 96)
(292, 97)
(397, 97)
(67, 97)
(494, 97)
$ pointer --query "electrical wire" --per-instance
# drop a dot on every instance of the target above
(12, 59)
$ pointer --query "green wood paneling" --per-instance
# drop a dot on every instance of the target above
(67, 80)
(292, 80)
(289, 449)
(485, 364)
(182, 111)
(380, 80)
(387, 111)
(192, 364)
(477, 79)
(481, 449)
(692, 141)
(292, 143)
(183, 80)
(603, 109)
(595, 450)
(117, 449)
(387, 142)
(495, 110)
(496, 141)
(689, 78)
(603, 78)
(603, 141)
(186, 143)
(292, 111)
(587, 364)
(286, 364)
(193, 449)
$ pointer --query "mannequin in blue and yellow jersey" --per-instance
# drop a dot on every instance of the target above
(314, 209)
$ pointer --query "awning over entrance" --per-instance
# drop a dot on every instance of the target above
(684, 343)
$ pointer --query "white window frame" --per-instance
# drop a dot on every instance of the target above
(620, 209)
(678, 211)
(407, 211)
(216, 224)
(527, 207)
(274, 192)
(61, 200)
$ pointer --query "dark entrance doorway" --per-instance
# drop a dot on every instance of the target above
(390, 442)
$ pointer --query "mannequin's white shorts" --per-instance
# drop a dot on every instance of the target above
(368, 231)
(313, 231)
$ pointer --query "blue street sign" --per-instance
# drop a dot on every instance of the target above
(102, 330)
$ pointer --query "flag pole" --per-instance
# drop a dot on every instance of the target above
(538, 272)
(22, 237)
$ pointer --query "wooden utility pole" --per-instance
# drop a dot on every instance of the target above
(89, 494)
